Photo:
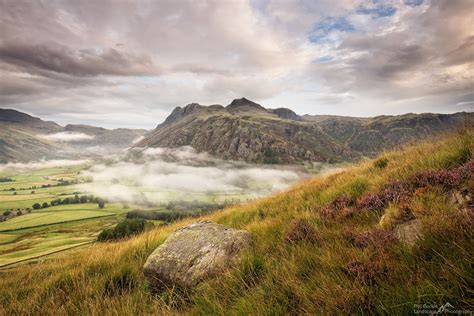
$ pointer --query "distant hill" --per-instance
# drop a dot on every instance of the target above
(19, 146)
(245, 130)
(26, 138)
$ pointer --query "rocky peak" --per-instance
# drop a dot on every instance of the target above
(244, 104)
(180, 112)
(287, 114)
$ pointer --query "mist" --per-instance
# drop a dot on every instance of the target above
(42, 164)
(67, 137)
(159, 175)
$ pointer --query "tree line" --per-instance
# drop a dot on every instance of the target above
(72, 200)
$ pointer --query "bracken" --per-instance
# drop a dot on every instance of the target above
(301, 231)
(378, 238)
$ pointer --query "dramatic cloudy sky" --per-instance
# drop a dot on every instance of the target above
(129, 63)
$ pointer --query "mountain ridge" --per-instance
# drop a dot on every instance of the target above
(245, 130)
(24, 138)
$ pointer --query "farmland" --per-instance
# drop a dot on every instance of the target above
(46, 209)
(39, 232)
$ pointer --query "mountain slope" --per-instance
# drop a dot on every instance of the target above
(17, 145)
(245, 130)
(26, 138)
(24, 122)
(326, 246)
(370, 136)
(119, 138)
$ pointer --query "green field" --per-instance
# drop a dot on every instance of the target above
(46, 231)
(28, 188)
(48, 218)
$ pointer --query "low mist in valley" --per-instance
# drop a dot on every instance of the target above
(158, 175)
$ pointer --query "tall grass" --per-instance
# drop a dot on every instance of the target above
(330, 276)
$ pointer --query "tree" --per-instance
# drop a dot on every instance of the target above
(45, 205)
(107, 234)
(83, 199)
(125, 229)
(36, 206)
(101, 203)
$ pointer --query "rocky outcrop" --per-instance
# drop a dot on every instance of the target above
(286, 114)
(409, 232)
(244, 104)
(195, 253)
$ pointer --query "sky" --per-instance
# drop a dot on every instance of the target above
(119, 63)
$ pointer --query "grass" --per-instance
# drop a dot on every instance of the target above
(328, 274)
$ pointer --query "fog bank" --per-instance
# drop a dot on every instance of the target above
(156, 175)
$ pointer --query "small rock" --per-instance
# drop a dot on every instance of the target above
(409, 232)
(195, 253)
(462, 198)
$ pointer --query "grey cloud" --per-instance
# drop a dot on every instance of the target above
(85, 62)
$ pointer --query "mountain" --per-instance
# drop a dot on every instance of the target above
(370, 136)
(245, 130)
(363, 241)
(19, 146)
(26, 138)
(24, 122)
(119, 138)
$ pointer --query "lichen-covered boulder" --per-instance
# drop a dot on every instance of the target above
(195, 253)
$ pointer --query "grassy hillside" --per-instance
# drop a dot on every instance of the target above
(318, 249)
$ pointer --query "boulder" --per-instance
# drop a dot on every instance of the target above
(194, 253)
(409, 232)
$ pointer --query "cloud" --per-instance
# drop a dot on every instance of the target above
(85, 62)
(158, 175)
(129, 63)
(43, 164)
(67, 137)
(138, 139)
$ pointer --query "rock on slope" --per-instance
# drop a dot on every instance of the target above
(194, 253)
